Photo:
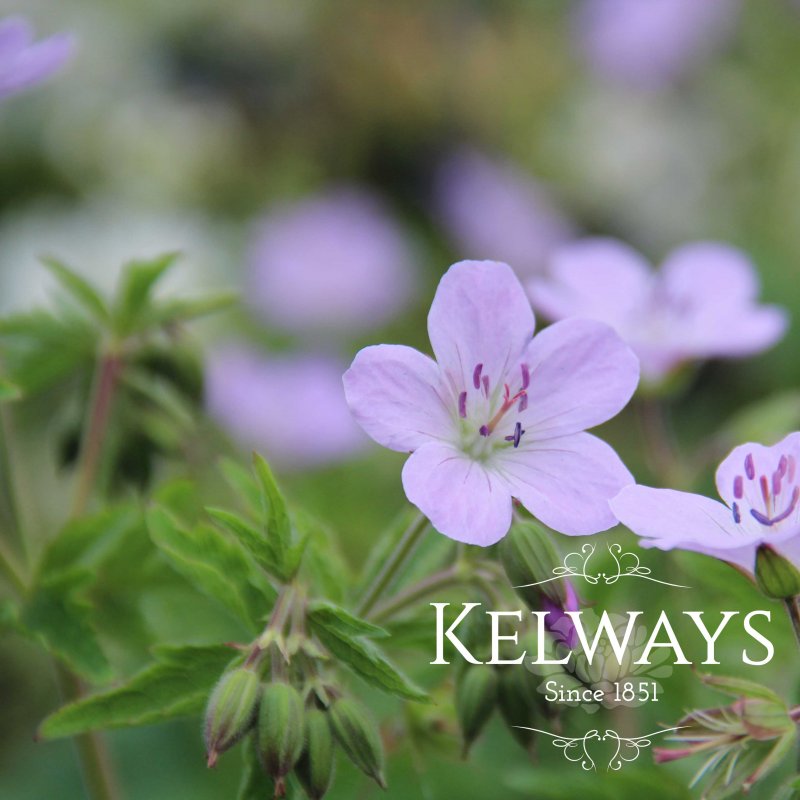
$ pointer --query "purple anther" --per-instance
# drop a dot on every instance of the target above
(783, 465)
(792, 467)
(484, 430)
(749, 466)
(526, 375)
(485, 381)
(738, 487)
(764, 489)
(737, 516)
(462, 405)
(776, 483)
(517, 435)
(523, 402)
(759, 517)
(476, 376)
(792, 506)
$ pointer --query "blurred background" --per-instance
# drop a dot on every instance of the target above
(330, 161)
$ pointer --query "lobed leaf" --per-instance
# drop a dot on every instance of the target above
(78, 288)
(331, 615)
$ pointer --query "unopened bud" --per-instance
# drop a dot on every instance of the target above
(280, 731)
(776, 576)
(476, 696)
(528, 557)
(231, 711)
(315, 768)
(358, 737)
(520, 703)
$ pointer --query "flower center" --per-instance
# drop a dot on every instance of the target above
(772, 499)
(484, 410)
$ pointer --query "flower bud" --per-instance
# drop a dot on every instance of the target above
(476, 696)
(315, 768)
(280, 731)
(776, 576)
(358, 737)
(529, 556)
(519, 702)
(231, 711)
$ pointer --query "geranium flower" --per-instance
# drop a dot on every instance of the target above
(649, 44)
(701, 304)
(492, 209)
(760, 489)
(23, 62)
(290, 407)
(498, 415)
(335, 261)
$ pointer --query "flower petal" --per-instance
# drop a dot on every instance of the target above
(480, 315)
(669, 519)
(581, 374)
(599, 278)
(397, 396)
(566, 482)
(458, 495)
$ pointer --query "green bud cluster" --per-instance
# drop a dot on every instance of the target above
(231, 711)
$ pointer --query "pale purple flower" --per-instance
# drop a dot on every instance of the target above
(498, 415)
(288, 407)
(492, 209)
(760, 489)
(701, 304)
(650, 43)
(336, 261)
(23, 62)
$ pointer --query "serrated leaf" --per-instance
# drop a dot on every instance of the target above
(276, 520)
(331, 615)
(254, 541)
(78, 288)
(213, 563)
(243, 484)
(367, 662)
(9, 391)
(60, 619)
(133, 300)
(176, 685)
(739, 687)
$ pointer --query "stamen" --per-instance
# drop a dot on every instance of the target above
(476, 376)
(749, 467)
(737, 517)
(462, 405)
(484, 430)
(765, 490)
(485, 381)
(776, 483)
(523, 402)
(516, 436)
(738, 487)
(759, 517)
(783, 465)
(769, 522)
(792, 466)
(526, 375)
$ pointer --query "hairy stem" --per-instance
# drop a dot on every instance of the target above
(451, 576)
(96, 769)
(94, 434)
(405, 547)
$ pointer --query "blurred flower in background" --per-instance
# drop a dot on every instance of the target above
(289, 407)
(491, 209)
(701, 304)
(650, 44)
(23, 62)
(334, 262)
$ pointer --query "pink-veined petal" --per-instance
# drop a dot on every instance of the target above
(581, 374)
(480, 315)
(566, 482)
(458, 495)
(396, 395)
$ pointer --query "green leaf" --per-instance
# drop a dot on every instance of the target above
(175, 311)
(243, 483)
(254, 541)
(276, 520)
(176, 685)
(9, 391)
(213, 563)
(133, 300)
(60, 619)
(739, 687)
(78, 288)
(366, 661)
(329, 615)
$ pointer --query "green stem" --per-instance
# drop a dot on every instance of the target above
(386, 575)
(11, 571)
(451, 576)
(103, 391)
(793, 607)
(96, 769)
